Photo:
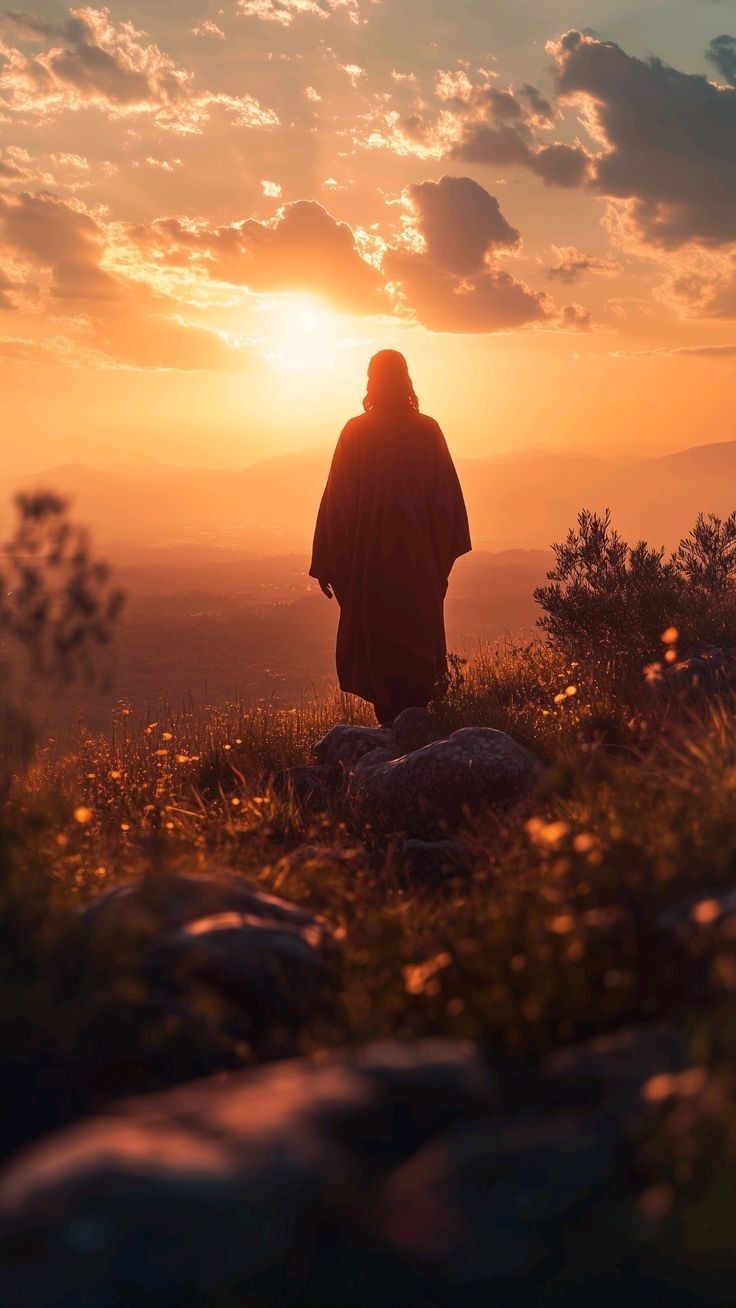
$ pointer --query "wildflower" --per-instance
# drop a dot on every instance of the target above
(167, 735)
(235, 801)
(652, 673)
(583, 842)
(570, 691)
(83, 815)
(665, 1085)
(670, 636)
(114, 775)
(420, 978)
(562, 924)
(706, 911)
(546, 833)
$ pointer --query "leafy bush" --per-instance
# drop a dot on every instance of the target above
(57, 611)
(609, 603)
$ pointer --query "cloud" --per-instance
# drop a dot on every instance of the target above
(285, 11)
(118, 320)
(302, 248)
(10, 289)
(704, 284)
(680, 351)
(454, 283)
(460, 223)
(500, 128)
(666, 140)
(89, 61)
(722, 54)
(571, 265)
(575, 318)
(207, 28)
(61, 238)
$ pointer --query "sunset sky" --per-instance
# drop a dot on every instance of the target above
(211, 214)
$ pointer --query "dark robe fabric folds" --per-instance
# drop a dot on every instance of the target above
(391, 523)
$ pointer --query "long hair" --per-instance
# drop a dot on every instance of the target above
(389, 383)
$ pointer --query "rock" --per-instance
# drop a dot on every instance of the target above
(252, 1188)
(309, 784)
(410, 730)
(431, 790)
(274, 972)
(430, 859)
(344, 745)
(165, 900)
(212, 963)
(616, 1066)
(486, 1204)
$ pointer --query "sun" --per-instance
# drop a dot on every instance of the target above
(303, 334)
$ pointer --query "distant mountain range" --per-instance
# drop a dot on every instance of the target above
(514, 501)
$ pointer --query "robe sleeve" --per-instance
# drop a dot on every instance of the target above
(450, 518)
(333, 534)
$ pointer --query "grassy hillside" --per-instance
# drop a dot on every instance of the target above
(550, 935)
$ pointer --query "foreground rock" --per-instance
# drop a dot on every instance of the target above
(431, 790)
(401, 780)
(229, 1186)
(266, 957)
(211, 968)
(412, 1175)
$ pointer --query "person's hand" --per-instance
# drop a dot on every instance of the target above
(326, 588)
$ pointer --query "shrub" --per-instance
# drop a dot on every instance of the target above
(57, 612)
(608, 602)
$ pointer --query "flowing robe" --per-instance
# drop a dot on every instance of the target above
(391, 523)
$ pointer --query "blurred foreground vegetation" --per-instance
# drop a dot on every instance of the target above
(551, 935)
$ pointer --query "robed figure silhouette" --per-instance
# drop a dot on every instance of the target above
(391, 523)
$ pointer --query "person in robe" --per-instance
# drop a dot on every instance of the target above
(390, 526)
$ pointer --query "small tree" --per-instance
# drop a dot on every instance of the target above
(608, 603)
(57, 610)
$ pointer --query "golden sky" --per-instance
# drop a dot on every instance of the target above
(211, 214)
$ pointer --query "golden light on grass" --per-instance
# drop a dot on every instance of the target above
(667, 1085)
(706, 912)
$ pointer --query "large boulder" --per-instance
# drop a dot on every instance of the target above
(414, 1174)
(431, 790)
(255, 1185)
(195, 972)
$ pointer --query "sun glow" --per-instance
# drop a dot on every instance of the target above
(303, 334)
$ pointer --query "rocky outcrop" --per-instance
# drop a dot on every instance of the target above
(431, 790)
(399, 779)
(264, 957)
(412, 1174)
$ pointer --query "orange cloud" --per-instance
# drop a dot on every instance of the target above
(285, 11)
(115, 319)
(302, 248)
(667, 138)
(89, 61)
(455, 284)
